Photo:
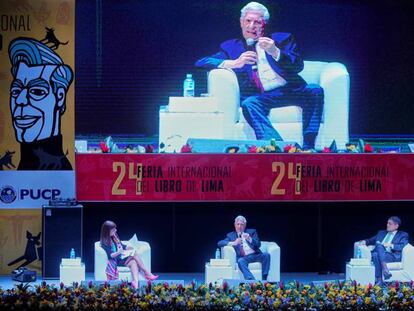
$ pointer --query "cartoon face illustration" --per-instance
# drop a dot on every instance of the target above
(35, 108)
(38, 90)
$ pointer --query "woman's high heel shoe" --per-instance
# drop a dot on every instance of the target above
(151, 278)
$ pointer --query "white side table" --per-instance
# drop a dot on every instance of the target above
(217, 273)
(361, 274)
(72, 273)
(177, 125)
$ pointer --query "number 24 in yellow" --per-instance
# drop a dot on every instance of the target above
(120, 168)
(280, 169)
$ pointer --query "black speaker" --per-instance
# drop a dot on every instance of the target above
(62, 231)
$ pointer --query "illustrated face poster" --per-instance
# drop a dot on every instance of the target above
(37, 53)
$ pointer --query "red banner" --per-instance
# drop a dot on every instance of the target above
(244, 177)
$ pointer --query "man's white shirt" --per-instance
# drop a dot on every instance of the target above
(247, 249)
(268, 77)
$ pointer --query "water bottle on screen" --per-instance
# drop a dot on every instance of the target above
(72, 254)
(188, 86)
(218, 253)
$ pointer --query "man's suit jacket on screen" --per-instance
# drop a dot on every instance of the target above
(288, 66)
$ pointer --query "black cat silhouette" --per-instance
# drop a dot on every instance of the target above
(51, 38)
(6, 160)
(30, 253)
(52, 162)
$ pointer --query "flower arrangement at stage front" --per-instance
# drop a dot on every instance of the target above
(164, 296)
(187, 148)
(360, 147)
(263, 149)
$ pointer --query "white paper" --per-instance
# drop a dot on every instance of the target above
(127, 252)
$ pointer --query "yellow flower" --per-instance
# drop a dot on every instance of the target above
(190, 304)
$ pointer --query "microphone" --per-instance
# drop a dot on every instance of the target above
(251, 46)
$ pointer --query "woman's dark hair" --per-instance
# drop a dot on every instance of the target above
(106, 228)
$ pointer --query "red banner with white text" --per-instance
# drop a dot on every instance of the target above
(244, 177)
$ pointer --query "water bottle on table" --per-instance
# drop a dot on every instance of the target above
(359, 254)
(217, 253)
(72, 254)
(188, 86)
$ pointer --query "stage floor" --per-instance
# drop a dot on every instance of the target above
(303, 277)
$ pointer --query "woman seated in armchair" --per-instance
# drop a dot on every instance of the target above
(118, 255)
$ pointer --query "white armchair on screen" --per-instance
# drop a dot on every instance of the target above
(401, 271)
(272, 248)
(230, 124)
(101, 261)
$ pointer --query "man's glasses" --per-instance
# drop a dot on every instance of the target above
(255, 22)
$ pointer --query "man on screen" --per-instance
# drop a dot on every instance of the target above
(388, 247)
(267, 67)
(246, 243)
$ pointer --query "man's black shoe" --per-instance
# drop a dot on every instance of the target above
(387, 275)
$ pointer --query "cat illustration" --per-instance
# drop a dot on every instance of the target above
(51, 38)
(30, 253)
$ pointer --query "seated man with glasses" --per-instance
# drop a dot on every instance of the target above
(388, 247)
(246, 244)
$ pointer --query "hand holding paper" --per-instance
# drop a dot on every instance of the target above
(127, 252)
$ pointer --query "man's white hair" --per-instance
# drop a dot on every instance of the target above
(257, 7)
(240, 218)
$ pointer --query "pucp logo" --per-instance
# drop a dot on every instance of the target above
(7, 194)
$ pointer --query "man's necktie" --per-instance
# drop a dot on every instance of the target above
(388, 238)
(242, 253)
(257, 81)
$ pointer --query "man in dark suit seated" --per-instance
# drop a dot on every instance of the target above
(388, 247)
(267, 66)
(246, 243)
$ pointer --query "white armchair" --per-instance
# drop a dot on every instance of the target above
(401, 271)
(226, 121)
(101, 261)
(272, 248)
